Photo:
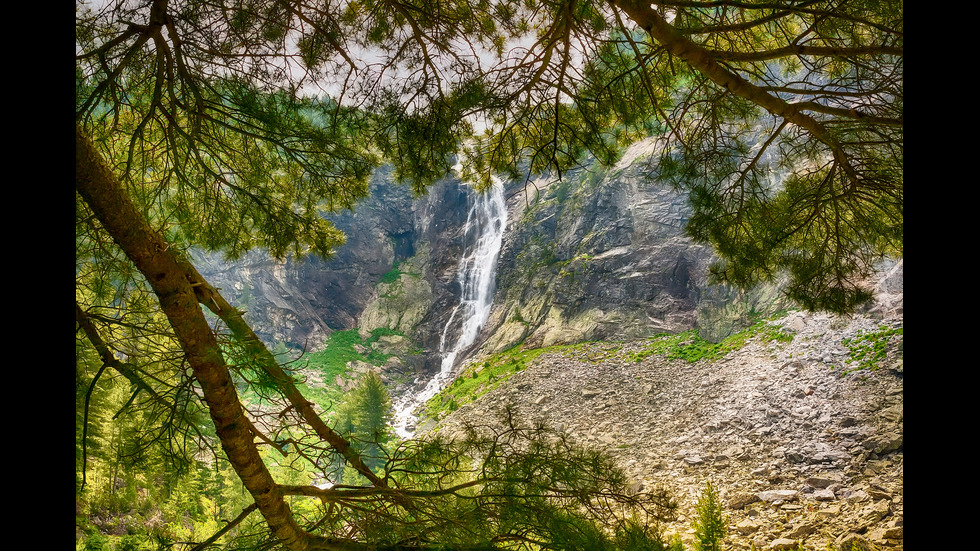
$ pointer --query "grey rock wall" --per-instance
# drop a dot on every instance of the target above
(300, 302)
(601, 254)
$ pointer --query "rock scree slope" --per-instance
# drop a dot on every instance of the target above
(802, 446)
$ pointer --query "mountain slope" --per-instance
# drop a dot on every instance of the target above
(802, 447)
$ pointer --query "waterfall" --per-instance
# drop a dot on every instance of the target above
(483, 236)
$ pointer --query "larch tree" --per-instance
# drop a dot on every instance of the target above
(364, 418)
(230, 126)
(374, 416)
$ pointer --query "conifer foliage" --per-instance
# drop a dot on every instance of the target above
(364, 417)
(710, 525)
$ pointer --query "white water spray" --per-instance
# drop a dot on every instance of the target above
(483, 236)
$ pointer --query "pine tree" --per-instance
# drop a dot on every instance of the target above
(374, 415)
(710, 525)
(364, 418)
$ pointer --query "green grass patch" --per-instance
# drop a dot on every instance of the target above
(341, 348)
(395, 273)
(868, 349)
(391, 276)
(690, 347)
(482, 377)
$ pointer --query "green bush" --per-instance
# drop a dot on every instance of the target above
(391, 275)
(95, 541)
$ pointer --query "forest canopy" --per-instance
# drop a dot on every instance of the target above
(234, 126)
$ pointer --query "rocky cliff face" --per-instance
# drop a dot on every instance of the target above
(396, 272)
(301, 302)
(601, 254)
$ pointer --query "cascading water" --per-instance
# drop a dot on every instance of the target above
(483, 236)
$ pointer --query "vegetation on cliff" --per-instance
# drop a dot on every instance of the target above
(484, 374)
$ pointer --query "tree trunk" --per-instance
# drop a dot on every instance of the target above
(103, 193)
